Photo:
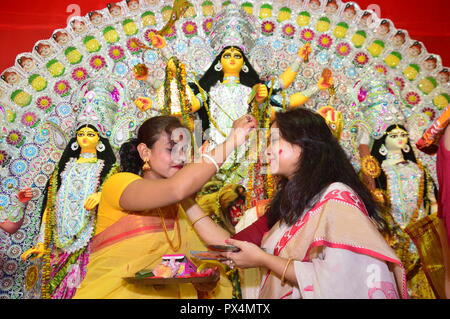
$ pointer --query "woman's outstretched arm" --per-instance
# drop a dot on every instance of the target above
(145, 194)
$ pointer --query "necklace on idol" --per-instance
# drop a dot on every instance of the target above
(87, 158)
(231, 80)
(395, 156)
(88, 155)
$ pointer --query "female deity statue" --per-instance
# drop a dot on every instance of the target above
(231, 88)
(410, 193)
(72, 194)
(401, 184)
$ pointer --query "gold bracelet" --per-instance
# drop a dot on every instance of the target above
(193, 223)
(284, 272)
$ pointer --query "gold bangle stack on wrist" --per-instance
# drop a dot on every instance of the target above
(283, 280)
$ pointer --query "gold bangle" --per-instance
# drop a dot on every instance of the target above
(285, 269)
(193, 223)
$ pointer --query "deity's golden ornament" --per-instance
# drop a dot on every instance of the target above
(370, 166)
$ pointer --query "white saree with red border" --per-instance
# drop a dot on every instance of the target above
(338, 252)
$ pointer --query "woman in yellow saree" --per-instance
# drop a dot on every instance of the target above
(143, 213)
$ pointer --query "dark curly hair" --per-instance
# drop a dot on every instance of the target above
(148, 133)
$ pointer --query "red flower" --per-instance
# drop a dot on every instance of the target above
(97, 62)
(116, 53)
(267, 27)
(325, 41)
(430, 112)
(14, 137)
(307, 35)
(79, 74)
(400, 83)
(288, 30)
(3, 157)
(29, 119)
(361, 59)
(133, 45)
(381, 68)
(189, 28)
(172, 33)
(207, 25)
(62, 88)
(343, 49)
(412, 98)
(44, 103)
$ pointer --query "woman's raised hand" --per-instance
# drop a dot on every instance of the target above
(242, 127)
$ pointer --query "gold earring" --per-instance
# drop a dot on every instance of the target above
(146, 166)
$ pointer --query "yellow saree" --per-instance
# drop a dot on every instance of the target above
(134, 242)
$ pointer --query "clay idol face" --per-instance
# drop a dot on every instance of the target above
(87, 138)
(232, 60)
(396, 139)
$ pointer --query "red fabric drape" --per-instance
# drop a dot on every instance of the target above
(23, 22)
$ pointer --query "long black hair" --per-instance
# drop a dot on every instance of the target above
(107, 156)
(322, 162)
(211, 77)
(148, 133)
